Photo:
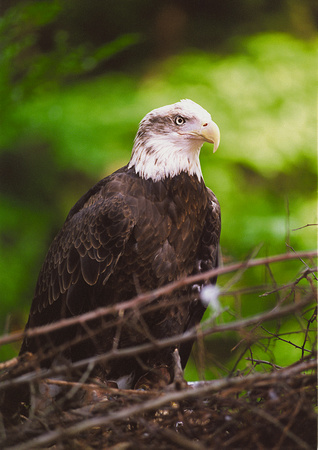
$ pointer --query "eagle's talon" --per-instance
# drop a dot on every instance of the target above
(157, 378)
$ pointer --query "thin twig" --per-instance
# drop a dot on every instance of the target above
(149, 296)
(205, 389)
(162, 343)
(305, 226)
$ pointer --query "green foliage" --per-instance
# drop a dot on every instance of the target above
(30, 180)
(263, 101)
(28, 70)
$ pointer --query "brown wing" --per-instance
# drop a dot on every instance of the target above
(209, 250)
(208, 258)
(82, 256)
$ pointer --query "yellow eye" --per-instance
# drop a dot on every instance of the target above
(179, 120)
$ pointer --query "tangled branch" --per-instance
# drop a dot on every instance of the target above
(261, 403)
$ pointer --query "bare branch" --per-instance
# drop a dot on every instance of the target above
(232, 412)
(200, 390)
(165, 342)
(305, 226)
(149, 296)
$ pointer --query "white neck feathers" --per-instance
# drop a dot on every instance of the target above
(165, 156)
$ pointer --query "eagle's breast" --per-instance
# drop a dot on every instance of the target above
(169, 217)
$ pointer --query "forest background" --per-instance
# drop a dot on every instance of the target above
(77, 76)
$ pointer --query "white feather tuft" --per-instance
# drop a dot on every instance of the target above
(210, 297)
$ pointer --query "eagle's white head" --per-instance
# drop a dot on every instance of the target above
(169, 140)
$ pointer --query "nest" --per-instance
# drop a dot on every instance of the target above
(265, 406)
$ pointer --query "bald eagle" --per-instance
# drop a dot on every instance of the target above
(149, 223)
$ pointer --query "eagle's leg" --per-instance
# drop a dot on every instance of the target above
(159, 377)
(178, 377)
(156, 378)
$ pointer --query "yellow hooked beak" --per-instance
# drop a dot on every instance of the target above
(210, 133)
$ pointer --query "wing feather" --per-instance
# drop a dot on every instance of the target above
(90, 244)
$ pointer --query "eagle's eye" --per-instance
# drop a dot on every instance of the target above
(179, 120)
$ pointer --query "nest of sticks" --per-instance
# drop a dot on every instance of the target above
(263, 406)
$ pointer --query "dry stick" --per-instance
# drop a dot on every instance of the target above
(149, 296)
(175, 396)
(286, 429)
(162, 343)
(305, 226)
(180, 441)
(291, 284)
(264, 415)
(305, 264)
(309, 322)
(262, 361)
(287, 342)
